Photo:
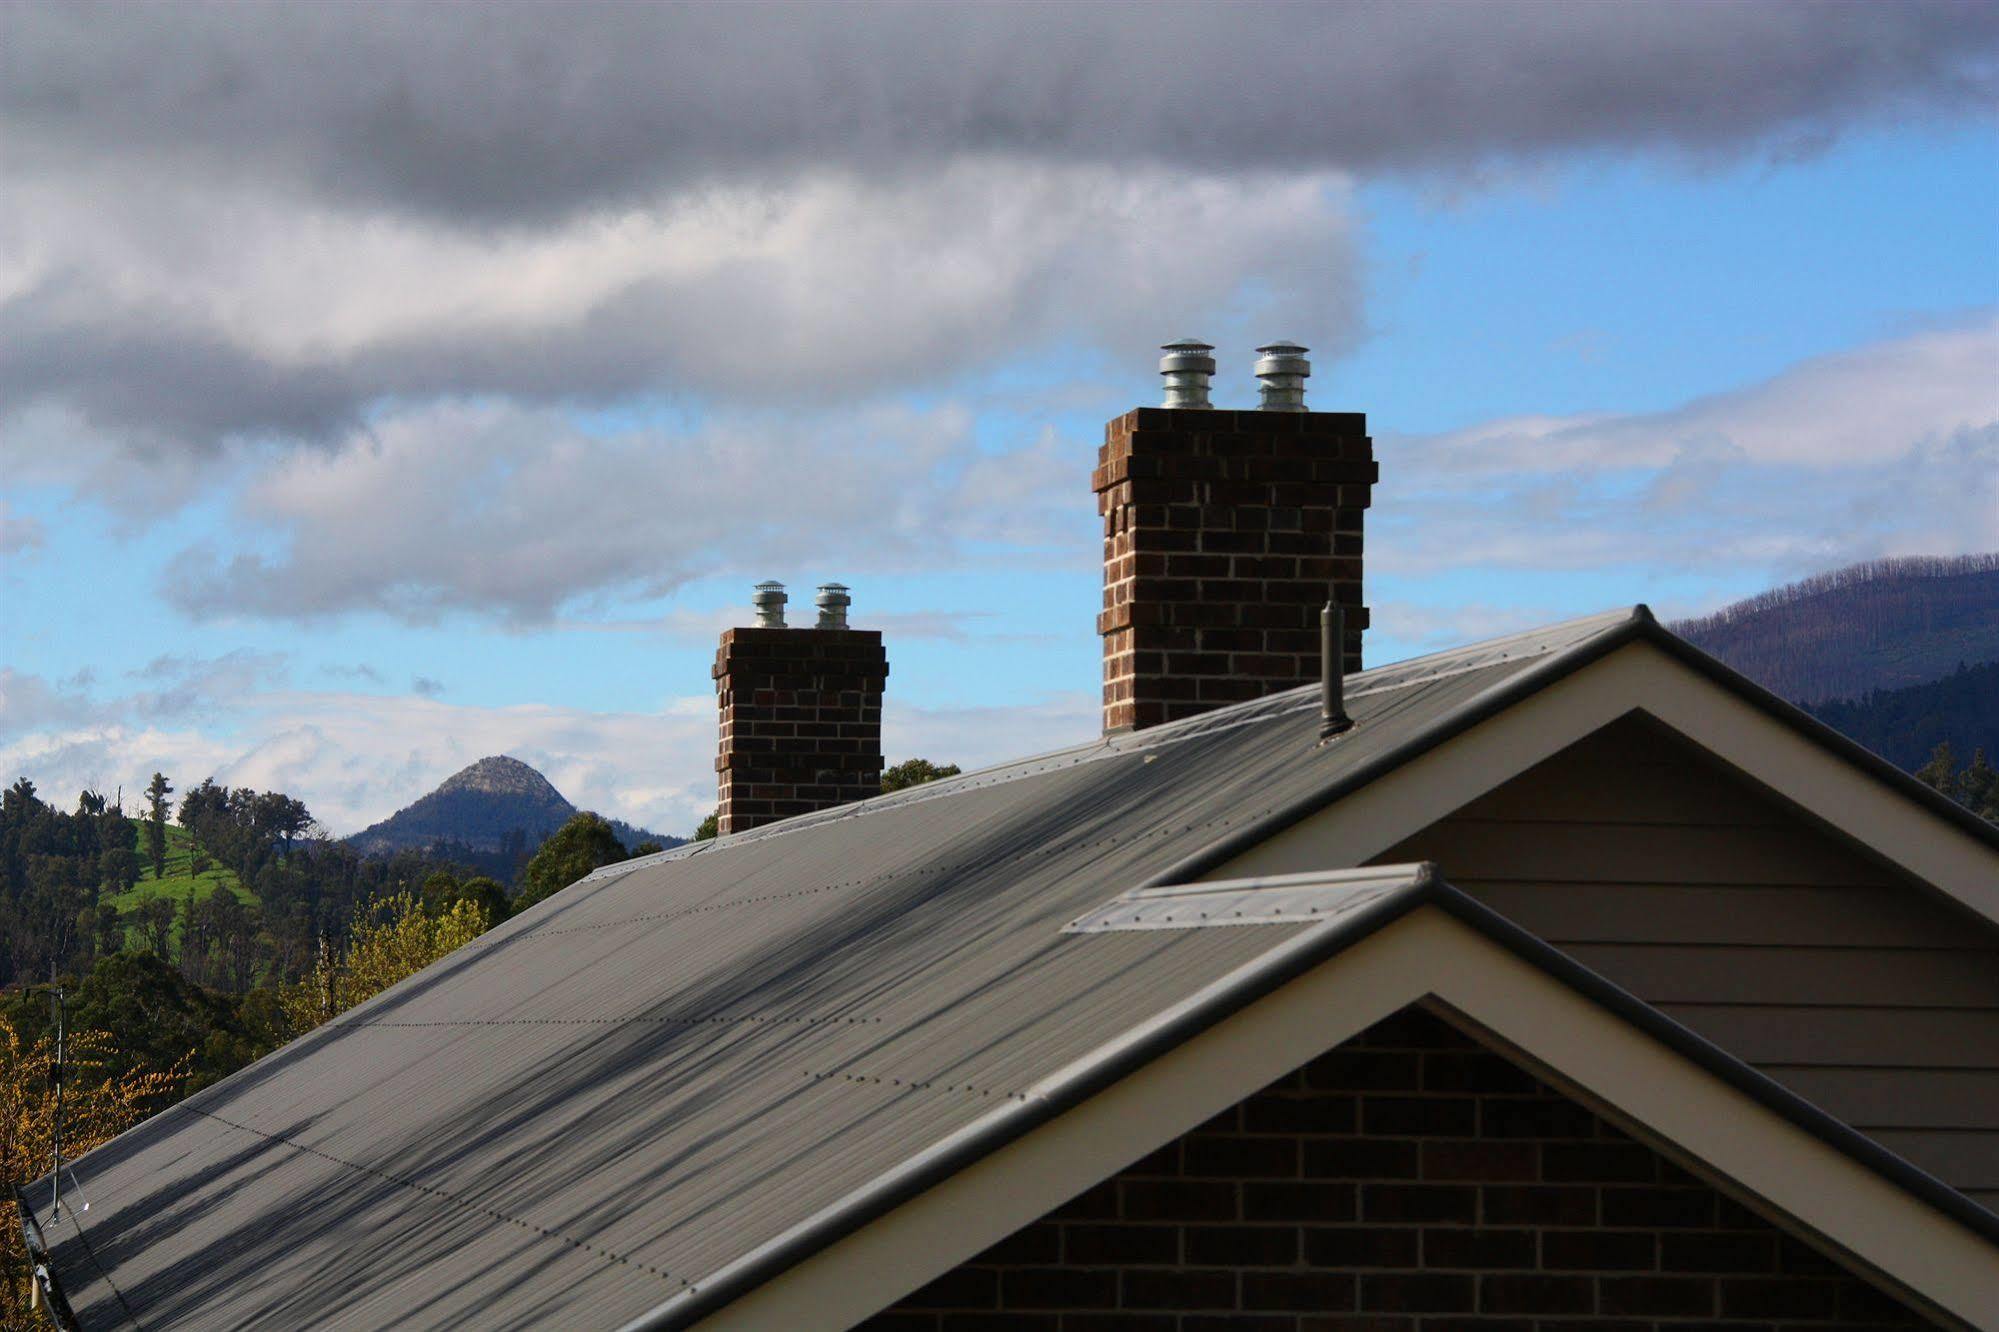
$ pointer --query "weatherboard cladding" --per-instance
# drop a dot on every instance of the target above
(652, 1073)
(1678, 880)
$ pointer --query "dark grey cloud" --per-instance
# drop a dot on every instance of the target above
(194, 318)
(508, 113)
(253, 221)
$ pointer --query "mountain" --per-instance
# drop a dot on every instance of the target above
(491, 815)
(1905, 725)
(1883, 625)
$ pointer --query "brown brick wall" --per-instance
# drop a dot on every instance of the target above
(801, 721)
(1224, 533)
(1408, 1181)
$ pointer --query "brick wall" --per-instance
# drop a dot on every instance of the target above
(1224, 533)
(801, 721)
(1408, 1181)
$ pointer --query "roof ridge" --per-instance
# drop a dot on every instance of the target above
(1548, 640)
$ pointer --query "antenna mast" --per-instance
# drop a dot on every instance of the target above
(56, 999)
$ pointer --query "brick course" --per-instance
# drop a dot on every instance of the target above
(1409, 1181)
(1224, 534)
(800, 721)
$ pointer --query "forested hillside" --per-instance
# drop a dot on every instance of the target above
(1883, 625)
(186, 942)
(1905, 726)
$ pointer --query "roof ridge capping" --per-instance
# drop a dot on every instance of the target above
(1584, 633)
(1276, 899)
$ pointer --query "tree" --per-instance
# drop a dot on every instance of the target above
(155, 919)
(110, 929)
(118, 868)
(156, 823)
(1978, 786)
(277, 815)
(707, 829)
(397, 940)
(1940, 772)
(576, 848)
(915, 772)
(444, 890)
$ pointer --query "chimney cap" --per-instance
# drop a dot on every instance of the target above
(1282, 367)
(833, 600)
(1187, 366)
(769, 599)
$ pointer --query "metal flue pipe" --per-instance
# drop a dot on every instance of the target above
(1333, 717)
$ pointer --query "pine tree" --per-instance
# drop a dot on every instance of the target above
(1940, 773)
(1978, 784)
(156, 823)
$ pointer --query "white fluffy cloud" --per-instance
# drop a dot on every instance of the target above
(492, 508)
(1887, 449)
(356, 758)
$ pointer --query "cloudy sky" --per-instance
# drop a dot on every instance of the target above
(383, 386)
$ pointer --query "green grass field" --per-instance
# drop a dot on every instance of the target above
(180, 876)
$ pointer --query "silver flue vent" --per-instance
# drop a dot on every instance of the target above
(833, 601)
(1283, 369)
(769, 601)
(1187, 366)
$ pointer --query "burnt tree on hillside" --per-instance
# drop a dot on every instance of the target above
(1879, 625)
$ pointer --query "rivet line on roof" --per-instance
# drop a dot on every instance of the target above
(863, 1080)
(446, 1196)
(620, 1021)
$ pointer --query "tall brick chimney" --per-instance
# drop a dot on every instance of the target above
(800, 711)
(1224, 534)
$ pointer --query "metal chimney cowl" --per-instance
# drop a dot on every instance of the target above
(1187, 367)
(833, 600)
(769, 600)
(1283, 369)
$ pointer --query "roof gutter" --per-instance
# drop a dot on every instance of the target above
(41, 1270)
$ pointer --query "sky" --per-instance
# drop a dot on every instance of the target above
(383, 386)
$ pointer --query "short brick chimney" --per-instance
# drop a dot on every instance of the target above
(801, 712)
(1225, 532)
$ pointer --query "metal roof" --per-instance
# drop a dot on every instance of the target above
(677, 1062)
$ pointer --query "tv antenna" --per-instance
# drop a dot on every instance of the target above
(56, 1002)
(59, 1001)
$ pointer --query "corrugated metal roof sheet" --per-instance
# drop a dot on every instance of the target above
(663, 1068)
